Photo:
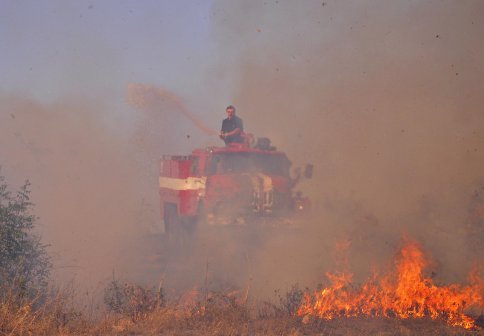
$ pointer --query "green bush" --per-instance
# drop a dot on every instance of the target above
(24, 262)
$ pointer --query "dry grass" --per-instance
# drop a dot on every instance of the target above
(27, 316)
(216, 314)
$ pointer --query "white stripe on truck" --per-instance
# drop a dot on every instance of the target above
(190, 183)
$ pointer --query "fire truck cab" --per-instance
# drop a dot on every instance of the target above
(227, 186)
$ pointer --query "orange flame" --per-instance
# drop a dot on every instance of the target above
(404, 294)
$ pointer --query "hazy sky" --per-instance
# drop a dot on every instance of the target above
(55, 48)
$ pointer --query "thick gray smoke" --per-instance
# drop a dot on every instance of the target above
(384, 98)
(84, 183)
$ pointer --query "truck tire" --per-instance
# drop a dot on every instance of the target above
(171, 219)
(179, 230)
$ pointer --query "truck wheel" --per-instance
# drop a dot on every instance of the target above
(171, 219)
(179, 230)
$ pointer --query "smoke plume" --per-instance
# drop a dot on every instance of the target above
(384, 98)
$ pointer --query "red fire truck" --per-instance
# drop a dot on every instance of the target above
(231, 185)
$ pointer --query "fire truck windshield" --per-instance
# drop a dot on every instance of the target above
(223, 163)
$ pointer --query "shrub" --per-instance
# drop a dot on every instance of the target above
(290, 301)
(24, 262)
(132, 300)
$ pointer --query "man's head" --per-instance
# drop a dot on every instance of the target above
(230, 111)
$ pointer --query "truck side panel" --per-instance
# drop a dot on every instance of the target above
(188, 198)
(177, 186)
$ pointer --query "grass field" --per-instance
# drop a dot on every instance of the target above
(147, 313)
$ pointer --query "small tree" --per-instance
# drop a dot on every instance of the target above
(24, 262)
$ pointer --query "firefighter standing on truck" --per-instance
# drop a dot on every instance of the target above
(232, 127)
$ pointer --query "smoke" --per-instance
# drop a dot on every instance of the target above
(386, 100)
(94, 177)
(85, 182)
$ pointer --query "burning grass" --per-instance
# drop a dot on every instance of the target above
(403, 302)
(403, 294)
(215, 314)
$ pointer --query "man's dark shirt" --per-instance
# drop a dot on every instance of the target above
(228, 125)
